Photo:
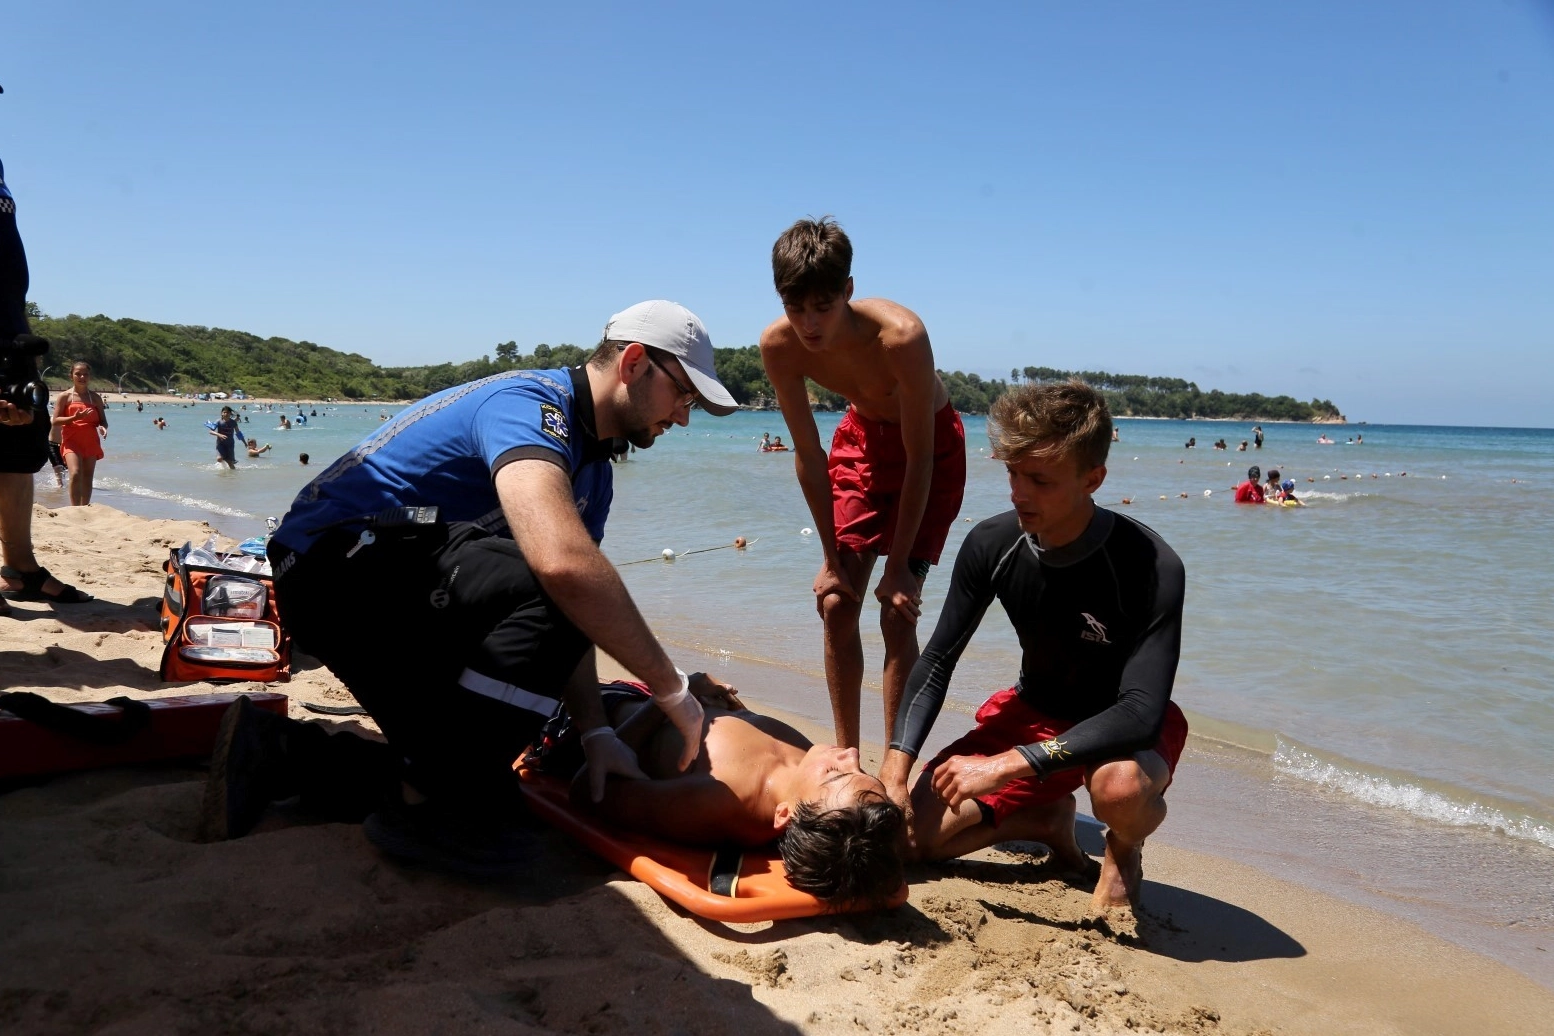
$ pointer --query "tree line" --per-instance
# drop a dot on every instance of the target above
(138, 355)
(1128, 395)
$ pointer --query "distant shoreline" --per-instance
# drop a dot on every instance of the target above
(1236, 420)
(162, 398)
(166, 399)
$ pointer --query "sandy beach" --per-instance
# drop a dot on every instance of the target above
(114, 919)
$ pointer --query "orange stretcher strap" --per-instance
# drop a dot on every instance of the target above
(760, 889)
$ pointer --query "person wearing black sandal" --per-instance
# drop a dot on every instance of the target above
(24, 437)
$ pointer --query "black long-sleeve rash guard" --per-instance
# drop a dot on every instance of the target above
(1100, 628)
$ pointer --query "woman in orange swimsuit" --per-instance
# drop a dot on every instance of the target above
(82, 419)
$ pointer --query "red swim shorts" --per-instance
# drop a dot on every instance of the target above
(868, 465)
(1005, 721)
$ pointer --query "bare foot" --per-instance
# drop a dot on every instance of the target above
(1059, 837)
(1055, 829)
(1122, 877)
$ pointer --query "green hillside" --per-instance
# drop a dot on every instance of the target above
(137, 355)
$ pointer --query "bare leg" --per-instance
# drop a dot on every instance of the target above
(16, 529)
(900, 656)
(88, 472)
(1129, 798)
(73, 461)
(942, 833)
(844, 648)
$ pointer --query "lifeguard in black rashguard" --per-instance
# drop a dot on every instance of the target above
(1096, 601)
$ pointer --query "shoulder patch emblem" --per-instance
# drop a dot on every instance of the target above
(554, 423)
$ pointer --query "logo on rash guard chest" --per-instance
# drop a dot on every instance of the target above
(553, 422)
(1096, 634)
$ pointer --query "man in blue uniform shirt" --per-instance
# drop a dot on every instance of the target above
(460, 637)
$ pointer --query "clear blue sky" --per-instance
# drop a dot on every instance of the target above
(1337, 199)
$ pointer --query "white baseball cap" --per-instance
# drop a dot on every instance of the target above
(670, 327)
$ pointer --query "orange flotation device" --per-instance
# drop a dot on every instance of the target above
(753, 886)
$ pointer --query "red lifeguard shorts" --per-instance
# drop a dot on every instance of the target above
(1005, 721)
(868, 465)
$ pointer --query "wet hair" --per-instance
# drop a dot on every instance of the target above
(302, 457)
(811, 260)
(1051, 419)
(1273, 474)
(849, 855)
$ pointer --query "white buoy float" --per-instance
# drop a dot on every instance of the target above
(806, 532)
(668, 553)
(1208, 492)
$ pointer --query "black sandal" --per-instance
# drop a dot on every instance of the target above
(32, 588)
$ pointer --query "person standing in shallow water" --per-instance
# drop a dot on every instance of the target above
(82, 419)
(226, 437)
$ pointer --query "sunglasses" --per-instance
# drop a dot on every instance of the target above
(686, 391)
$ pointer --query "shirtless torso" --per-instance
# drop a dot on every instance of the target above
(742, 788)
(874, 352)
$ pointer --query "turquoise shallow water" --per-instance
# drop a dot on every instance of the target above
(1398, 627)
(1386, 650)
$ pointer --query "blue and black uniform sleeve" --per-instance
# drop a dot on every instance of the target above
(970, 593)
(1133, 723)
(529, 420)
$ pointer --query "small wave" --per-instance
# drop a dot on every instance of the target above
(1293, 761)
(187, 501)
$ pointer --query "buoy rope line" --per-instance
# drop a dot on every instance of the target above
(670, 555)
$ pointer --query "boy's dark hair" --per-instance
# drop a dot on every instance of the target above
(850, 855)
(812, 259)
(1050, 420)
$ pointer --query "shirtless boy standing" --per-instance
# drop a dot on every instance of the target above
(892, 484)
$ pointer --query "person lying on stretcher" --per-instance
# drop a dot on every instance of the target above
(756, 781)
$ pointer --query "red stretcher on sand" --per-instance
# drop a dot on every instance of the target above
(752, 886)
(88, 735)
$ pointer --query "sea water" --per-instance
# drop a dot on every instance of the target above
(1371, 675)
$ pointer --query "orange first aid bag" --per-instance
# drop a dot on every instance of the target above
(221, 626)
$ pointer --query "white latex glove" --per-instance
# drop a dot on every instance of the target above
(684, 711)
(607, 754)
